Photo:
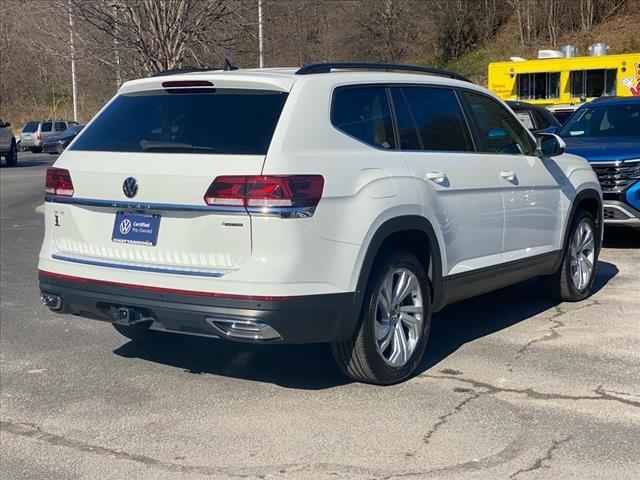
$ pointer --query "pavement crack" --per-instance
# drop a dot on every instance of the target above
(543, 461)
(552, 332)
(600, 393)
(31, 430)
(443, 419)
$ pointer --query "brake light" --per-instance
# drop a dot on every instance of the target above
(59, 182)
(187, 83)
(273, 195)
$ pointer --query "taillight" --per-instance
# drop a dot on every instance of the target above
(272, 195)
(59, 182)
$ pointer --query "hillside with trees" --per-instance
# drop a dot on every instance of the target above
(112, 41)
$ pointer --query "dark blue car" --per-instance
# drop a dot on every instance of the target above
(607, 133)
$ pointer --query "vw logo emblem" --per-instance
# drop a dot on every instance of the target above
(130, 187)
(125, 226)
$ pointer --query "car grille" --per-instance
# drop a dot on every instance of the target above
(616, 178)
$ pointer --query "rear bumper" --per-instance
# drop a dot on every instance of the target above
(300, 319)
(29, 142)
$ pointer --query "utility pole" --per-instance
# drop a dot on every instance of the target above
(116, 49)
(72, 49)
(260, 44)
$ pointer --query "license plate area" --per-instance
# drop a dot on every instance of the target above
(136, 228)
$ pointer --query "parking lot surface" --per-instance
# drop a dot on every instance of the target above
(513, 386)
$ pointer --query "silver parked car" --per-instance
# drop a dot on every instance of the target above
(35, 133)
(8, 148)
(57, 143)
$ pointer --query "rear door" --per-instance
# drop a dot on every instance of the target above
(530, 186)
(148, 160)
(461, 186)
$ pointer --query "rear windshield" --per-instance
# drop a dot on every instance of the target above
(221, 121)
(30, 127)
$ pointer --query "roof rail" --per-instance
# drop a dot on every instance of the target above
(389, 67)
(177, 71)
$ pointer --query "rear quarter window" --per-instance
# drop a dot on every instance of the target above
(363, 112)
(46, 127)
(212, 121)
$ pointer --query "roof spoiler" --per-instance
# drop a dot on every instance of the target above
(228, 66)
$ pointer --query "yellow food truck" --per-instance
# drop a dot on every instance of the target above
(557, 81)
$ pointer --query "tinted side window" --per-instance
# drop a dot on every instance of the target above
(496, 129)
(542, 120)
(363, 113)
(46, 127)
(430, 118)
(61, 126)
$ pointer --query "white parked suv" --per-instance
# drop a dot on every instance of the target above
(338, 203)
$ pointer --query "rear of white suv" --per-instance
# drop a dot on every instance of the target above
(269, 206)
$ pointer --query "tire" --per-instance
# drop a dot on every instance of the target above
(12, 156)
(567, 284)
(365, 358)
(138, 333)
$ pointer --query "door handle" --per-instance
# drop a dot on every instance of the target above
(436, 177)
(508, 175)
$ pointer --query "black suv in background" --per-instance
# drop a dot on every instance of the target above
(533, 117)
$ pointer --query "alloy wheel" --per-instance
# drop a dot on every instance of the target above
(582, 255)
(399, 317)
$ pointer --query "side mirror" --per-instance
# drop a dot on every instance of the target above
(549, 145)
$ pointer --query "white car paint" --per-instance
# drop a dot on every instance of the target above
(482, 219)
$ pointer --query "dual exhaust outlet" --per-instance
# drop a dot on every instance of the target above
(53, 302)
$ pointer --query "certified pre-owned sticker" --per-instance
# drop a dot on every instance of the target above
(136, 228)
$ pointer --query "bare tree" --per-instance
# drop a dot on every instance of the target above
(162, 34)
(391, 30)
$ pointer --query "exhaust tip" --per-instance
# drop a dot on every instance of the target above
(244, 329)
(53, 302)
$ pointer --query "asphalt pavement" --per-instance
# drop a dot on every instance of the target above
(513, 387)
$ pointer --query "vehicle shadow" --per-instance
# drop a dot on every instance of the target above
(621, 237)
(311, 367)
(484, 315)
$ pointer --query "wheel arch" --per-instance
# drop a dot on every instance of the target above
(405, 231)
(591, 201)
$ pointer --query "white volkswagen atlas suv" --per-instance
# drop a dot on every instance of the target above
(337, 203)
